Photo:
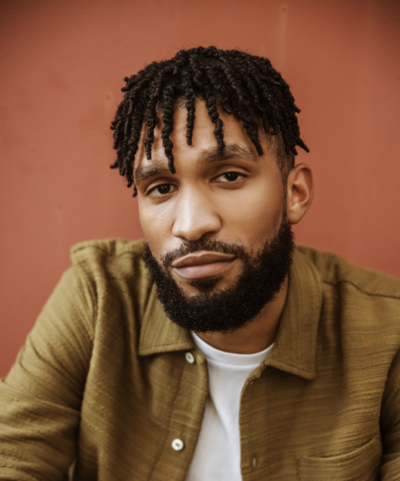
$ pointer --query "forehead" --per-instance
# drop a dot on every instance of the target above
(203, 138)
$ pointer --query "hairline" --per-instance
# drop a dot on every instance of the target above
(284, 160)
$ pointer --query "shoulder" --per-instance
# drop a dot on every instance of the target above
(360, 306)
(336, 271)
(106, 249)
(110, 256)
(115, 271)
(366, 302)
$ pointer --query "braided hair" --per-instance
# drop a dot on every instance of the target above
(244, 85)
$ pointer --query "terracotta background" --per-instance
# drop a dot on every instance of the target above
(62, 65)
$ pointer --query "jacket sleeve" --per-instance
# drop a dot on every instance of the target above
(390, 424)
(40, 398)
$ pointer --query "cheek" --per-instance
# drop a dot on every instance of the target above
(256, 214)
(154, 226)
(157, 222)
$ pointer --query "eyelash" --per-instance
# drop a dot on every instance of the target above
(242, 176)
(232, 172)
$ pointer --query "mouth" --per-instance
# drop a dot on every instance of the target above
(203, 264)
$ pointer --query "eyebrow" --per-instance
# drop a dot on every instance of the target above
(231, 151)
(207, 156)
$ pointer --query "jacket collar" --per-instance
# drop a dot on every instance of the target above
(294, 348)
(295, 345)
(159, 333)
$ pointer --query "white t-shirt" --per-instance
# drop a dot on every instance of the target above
(217, 454)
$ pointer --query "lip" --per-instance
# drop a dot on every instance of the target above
(203, 264)
(202, 257)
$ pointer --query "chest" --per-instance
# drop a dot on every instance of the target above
(289, 426)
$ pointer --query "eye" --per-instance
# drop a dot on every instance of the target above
(230, 177)
(162, 189)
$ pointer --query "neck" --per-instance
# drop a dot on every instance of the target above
(257, 335)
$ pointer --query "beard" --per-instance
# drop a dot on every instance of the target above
(224, 310)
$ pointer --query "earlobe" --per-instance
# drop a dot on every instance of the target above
(300, 190)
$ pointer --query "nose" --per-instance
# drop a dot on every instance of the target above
(195, 216)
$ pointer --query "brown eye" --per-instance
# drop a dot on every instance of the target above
(162, 189)
(230, 177)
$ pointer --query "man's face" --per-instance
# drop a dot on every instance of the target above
(209, 223)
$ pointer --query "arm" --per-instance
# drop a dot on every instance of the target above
(390, 424)
(40, 398)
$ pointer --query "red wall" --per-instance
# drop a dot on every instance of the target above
(62, 65)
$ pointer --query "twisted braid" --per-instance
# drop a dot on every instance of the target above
(244, 85)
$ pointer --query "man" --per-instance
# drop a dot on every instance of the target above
(215, 350)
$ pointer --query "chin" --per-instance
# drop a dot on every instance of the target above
(205, 284)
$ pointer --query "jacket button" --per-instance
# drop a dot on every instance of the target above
(189, 357)
(177, 444)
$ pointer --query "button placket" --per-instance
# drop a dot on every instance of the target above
(177, 444)
(194, 375)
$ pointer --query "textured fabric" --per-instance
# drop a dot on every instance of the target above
(103, 379)
(217, 453)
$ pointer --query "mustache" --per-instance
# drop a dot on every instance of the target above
(206, 244)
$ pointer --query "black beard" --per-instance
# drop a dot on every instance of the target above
(224, 310)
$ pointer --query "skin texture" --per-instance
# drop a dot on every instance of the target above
(201, 200)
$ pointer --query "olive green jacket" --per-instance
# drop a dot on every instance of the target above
(103, 379)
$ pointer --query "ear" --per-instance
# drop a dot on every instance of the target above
(300, 191)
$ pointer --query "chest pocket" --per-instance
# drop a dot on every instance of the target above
(359, 465)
